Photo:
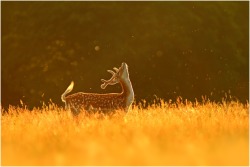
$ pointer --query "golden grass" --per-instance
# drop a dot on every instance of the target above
(182, 133)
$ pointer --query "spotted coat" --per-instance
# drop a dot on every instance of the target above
(103, 102)
(95, 102)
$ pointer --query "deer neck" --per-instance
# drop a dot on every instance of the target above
(127, 88)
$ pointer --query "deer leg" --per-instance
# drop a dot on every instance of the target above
(75, 111)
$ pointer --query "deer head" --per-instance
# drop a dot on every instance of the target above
(121, 73)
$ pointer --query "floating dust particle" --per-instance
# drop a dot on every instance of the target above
(97, 48)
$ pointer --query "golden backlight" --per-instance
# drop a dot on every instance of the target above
(181, 133)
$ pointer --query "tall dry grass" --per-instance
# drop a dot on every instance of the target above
(181, 133)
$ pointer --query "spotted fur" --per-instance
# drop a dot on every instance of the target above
(102, 102)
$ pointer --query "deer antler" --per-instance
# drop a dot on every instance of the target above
(113, 80)
(116, 69)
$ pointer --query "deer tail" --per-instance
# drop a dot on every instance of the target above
(69, 89)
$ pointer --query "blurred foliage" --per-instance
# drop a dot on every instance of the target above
(186, 49)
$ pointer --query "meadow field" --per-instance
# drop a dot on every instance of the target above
(168, 133)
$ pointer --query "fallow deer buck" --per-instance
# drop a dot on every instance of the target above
(103, 102)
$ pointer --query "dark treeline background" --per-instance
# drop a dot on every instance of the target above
(173, 49)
